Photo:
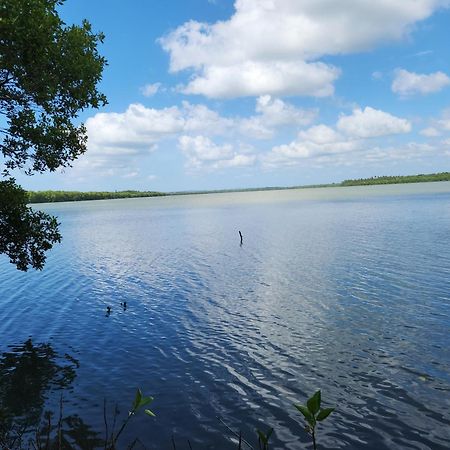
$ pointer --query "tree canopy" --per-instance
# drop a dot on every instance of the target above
(49, 73)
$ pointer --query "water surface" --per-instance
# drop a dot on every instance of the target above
(343, 289)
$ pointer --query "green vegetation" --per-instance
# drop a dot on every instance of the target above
(421, 178)
(313, 414)
(25, 235)
(72, 196)
(72, 433)
(69, 196)
(49, 73)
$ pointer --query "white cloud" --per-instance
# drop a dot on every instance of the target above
(251, 78)
(118, 141)
(254, 127)
(203, 153)
(377, 75)
(273, 46)
(320, 134)
(353, 135)
(274, 113)
(409, 83)
(346, 153)
(150, 89)
(134, 131)
(310, 144)
(200, 118)
(444, 124)
(238, 160)
(423, 53)
(438, 126)
(430, 132)
(139, 128)
(372, 122)
(132, 174)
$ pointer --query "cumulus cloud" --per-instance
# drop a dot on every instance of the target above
(352, 133)
(252, 78)
(200, 118)
(139, 129)
(203, 153)
(320, 135)
(410, 83)
(372, 122)
(134, 131)
(346, 153)
(273, 113)
(118, 141)
(274, 46)
(316, 142)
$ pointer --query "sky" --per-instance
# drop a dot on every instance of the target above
(220, 94)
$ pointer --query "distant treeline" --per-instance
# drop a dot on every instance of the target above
(71, 196)
(421, 178)
(68, 196)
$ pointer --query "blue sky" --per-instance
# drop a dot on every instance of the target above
(217, 94)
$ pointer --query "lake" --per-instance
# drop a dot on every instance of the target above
(342, 289)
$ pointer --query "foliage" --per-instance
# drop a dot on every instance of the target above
(139, 402)
(421, 178)
(73, 196)
(68, 433)
(48, 75)
(72, 433)
(313, 414)
(25, 235)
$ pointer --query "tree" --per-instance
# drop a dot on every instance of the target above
(49, 73)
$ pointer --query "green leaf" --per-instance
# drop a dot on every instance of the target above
(324, 413)
(145, 401)
(137, 399)
(314, 403)
(306, 414)
(150, 413)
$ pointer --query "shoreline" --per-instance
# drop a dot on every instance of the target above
(37, 197)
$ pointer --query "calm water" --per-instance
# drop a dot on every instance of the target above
(343, 289)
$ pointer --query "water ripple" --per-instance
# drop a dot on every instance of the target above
(343, 290)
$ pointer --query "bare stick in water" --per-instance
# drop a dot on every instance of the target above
(240, 234)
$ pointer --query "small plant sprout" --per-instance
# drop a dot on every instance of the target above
(313, 414)
(263, 438)
(139, 402)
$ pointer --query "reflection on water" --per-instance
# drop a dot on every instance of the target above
(75, 434)
(341, 289)
(29, 375)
